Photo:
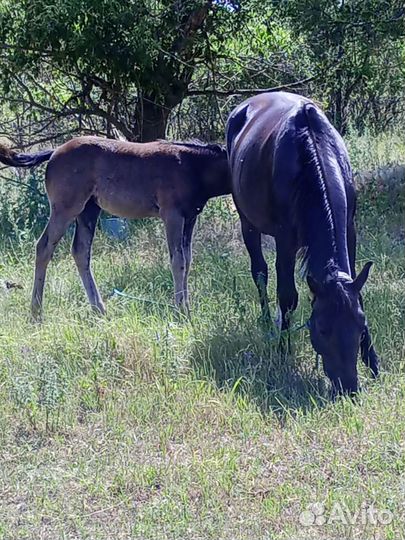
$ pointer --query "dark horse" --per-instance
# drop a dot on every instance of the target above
(291, 178)
(172, 181)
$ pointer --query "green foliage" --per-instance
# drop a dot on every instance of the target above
(24, 208)
(370, 151)
(77, 32)
(39, 392)
(357, 50)
(123, 67)
(100, 51)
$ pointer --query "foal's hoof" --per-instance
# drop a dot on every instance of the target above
(183, 311)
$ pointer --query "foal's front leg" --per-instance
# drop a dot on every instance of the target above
(174, 224)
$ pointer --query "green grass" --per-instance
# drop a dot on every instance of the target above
(369, 152)
(146, 425)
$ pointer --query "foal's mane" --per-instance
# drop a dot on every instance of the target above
(214, 148)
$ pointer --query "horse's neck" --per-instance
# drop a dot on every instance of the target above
(326, 222)
(325, 260)
(327, 242)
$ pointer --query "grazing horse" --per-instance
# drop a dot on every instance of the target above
(170, 180)
(291, 178)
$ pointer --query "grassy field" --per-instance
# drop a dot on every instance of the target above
(146, 425)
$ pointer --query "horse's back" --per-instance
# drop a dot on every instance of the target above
(254, 130)
(265, 153)
(259, 116)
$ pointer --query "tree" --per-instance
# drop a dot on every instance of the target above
(120, 67)
(357, 49)
(126, 62)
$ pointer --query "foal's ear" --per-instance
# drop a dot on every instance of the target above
(314, 286)
(360, 280)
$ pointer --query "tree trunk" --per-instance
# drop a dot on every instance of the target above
(338, 107)
(152, 120)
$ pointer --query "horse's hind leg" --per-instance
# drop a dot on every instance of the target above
(258, 266)
(174, 224)
(81, 250)
(368, 353)
(53, 232)
(286, 291)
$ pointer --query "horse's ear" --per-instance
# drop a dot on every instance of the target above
(360, 280)
(314, 286)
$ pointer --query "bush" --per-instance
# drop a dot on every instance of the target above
(24, 208)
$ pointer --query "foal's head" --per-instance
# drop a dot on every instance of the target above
(216, 172)
(210, 163)
(336, 326)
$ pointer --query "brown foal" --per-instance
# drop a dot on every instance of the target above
(172, 181)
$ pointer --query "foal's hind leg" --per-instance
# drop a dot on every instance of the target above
(53, 232)
(187, 247)
(368, 353)
(81, 250)
(258, 266)
(174, 224)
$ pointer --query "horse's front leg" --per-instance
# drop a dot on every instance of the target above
(368, 353)
(286, 291)
(258, 266)
(174, 225)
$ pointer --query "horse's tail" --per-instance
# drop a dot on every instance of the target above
(15, 159)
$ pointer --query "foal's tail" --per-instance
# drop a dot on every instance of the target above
(14, 159)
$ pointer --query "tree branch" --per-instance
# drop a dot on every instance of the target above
(248, 91)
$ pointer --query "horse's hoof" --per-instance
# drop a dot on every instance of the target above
(99, 309)
(374, 364)
(36, 317)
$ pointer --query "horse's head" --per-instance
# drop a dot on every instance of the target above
(337, 325)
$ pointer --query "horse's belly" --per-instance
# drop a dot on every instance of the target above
(254, 199)
(259, 216)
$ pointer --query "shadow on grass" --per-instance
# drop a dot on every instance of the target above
(228, 345)
(247, 360)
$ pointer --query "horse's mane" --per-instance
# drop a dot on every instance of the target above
(312, 208)
(314, 215)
